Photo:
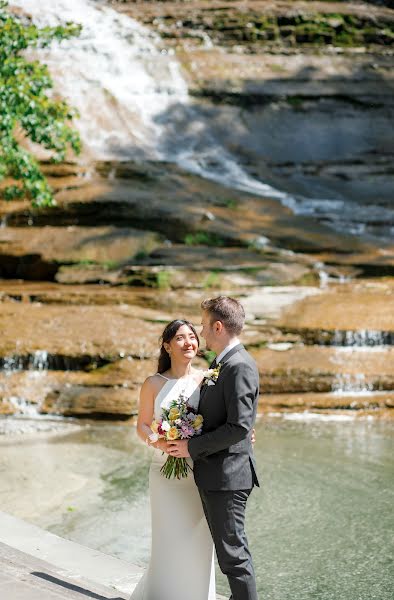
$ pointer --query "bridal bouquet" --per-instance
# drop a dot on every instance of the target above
(178, 420)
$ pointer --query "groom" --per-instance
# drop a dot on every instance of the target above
(224, 466)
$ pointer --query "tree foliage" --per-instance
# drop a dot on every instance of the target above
(27, 108)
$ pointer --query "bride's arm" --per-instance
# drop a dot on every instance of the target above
(145, 414)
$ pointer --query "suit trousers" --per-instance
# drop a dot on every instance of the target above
(225, 513)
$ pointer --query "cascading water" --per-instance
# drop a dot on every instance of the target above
(346, 384)
(363, 338)
(134, 103)
(114, 74)
(132, 99)
(355, 342)
(31, 368)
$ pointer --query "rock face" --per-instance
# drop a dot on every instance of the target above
(261, 24)
(301, 94)
(85, 351)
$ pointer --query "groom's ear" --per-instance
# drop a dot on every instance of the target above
(218, 327)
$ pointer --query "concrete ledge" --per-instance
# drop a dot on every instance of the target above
(36, 564)
(77, 560)
(23, 577)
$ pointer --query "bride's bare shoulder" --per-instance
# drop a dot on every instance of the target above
(154, 381)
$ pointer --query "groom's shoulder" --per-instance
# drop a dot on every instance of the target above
(242, 358)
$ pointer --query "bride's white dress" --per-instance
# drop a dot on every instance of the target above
(181, 562)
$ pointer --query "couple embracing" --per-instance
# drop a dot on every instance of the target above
(192, 515)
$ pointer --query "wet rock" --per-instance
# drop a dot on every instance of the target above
(312, 369)
(257, 24)
(81, 246)
(27, 266)
(269, 302)
(162, 205)
(364, 306)
(269, 78)
(326, 402)
(87, 274)
(95, 401)
(20, 389)
(76, 331)
(6, 408)
(262, 266)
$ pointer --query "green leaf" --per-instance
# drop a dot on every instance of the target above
(27, 107)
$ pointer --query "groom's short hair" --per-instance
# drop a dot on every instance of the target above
(227, 310)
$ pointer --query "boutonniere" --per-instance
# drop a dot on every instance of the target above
(211, 375)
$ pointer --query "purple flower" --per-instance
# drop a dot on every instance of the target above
(186, 431)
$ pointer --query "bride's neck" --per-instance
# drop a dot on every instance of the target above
(180, 370)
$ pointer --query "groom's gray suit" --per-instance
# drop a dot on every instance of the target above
(224, 466)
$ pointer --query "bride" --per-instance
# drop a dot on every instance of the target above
(181, 563)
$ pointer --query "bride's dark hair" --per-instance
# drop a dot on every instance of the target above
(168, 334)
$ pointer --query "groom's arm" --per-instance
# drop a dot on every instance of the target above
(240, 394)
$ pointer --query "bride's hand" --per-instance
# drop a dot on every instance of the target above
(160, 445)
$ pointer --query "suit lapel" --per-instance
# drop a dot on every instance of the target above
(222, 362)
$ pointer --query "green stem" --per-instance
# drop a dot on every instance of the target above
(175, 467)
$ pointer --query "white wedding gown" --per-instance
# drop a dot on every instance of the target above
(181, 563)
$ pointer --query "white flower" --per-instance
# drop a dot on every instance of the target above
(153, 437)
(165, 426)
(211, 375)
(178, 421)
(208, 373)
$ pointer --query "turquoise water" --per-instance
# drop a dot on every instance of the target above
(321, 526)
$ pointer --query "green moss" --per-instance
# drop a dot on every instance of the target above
(85, 262)
(277, 68)
(140, 255)
(310, 278)
(203, 238)
(212, 280)
(231, 203)
(150, 279)
(294, 101)
(253, 270)
(111, 264)
(305, 29)
(257, 345)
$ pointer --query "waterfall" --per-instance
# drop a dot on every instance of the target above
(30, 367)
(114, 74)
(23, 407)
(131, 96)
(347, 384)
(362, 338)
(134, 104)
(354, 343)
(40, 360)
(11, 364)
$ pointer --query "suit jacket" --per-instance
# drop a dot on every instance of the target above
(223, 454)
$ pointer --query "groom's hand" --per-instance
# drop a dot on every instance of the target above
(178, 448)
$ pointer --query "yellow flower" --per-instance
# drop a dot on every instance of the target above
(174, 414)
(198, 422)
(155, 427)
(172, 434)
